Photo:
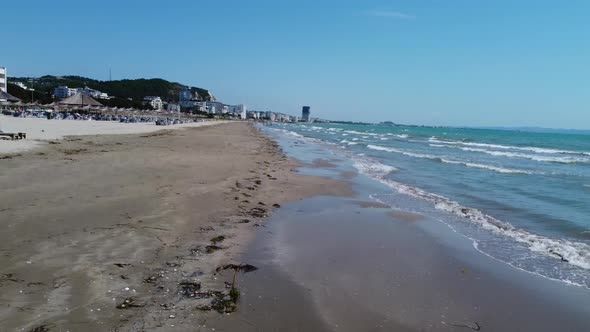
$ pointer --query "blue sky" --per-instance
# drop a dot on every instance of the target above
(433, 62)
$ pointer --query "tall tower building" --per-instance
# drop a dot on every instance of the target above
(305, 112)
(3, 80)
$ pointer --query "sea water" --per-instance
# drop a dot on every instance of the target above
(522, 197)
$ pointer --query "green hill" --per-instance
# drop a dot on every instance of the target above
(122, 90)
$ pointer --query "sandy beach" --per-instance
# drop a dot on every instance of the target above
(125, 232)
(39, 131)
(150, 232)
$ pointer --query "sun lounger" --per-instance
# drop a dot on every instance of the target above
(13, 136)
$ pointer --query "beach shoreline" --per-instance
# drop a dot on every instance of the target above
(355, 264)
(127, 232)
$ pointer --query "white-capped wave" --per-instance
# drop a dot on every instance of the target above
(489, 167)
(574, 253)
(564, 159)
(372, 167)
(451, 161)
(510, 147)
(290, 133)
(354, 132)
(347, 142)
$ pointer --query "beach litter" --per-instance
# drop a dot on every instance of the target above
(238, 268)
(189, 289)
(129, 303)
(41, 328)
(212, 248)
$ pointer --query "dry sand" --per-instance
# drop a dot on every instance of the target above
(40, 130)
(91, 221)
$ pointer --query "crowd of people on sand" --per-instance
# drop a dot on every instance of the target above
(158, 120)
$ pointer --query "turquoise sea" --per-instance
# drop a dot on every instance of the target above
(522, 197)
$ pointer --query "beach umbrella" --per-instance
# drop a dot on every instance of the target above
(80, 99)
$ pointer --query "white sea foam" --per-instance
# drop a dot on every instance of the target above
(575, 253)
(565, 159)
(372, 168)
(510, 147)
(290, 133)
(354, 132)
(489, 167)
(451, 161)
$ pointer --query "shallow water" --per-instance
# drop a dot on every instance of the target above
(353, 264)
(521, 197)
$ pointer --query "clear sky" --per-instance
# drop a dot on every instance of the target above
(434, 62)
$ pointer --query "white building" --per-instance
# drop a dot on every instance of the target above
(238, 110)
(173, 107)
(3, 80)
(155, 102)
(211, 107)
(93, 93)
(21, 85)
(64, 92)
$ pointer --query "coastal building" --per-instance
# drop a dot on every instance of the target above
(154, 101)
(211, 107)
(305, 113)
(21, 85)
(64, 92)
(239, 110)
(253, 115)
(189, 100)
(93, 93)
(215, 107)
(4, 95)
(173, 108)
(3, 80)
(270, 116)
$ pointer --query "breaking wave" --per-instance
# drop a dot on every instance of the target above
(450, 161)
(574, 253)
(510, 147)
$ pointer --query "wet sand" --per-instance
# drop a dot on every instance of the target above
(109, 233)
(359, 269)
